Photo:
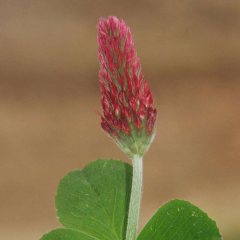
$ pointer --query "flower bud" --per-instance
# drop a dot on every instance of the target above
(128, 113)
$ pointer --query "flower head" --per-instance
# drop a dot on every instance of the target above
(129, 116)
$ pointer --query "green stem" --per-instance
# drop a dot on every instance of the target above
(135, 199)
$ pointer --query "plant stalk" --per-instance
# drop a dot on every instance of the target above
(135, 199)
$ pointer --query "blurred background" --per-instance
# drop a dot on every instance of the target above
(190, 54)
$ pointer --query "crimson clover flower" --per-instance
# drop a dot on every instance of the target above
(129, 116)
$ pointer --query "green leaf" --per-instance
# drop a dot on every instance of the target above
(180, 220)
(67, 234)
(95, 200)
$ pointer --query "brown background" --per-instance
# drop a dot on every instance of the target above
(190, 54)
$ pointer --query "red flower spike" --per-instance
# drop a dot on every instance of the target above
(129, 117)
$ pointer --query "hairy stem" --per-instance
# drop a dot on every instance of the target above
(135, 198)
